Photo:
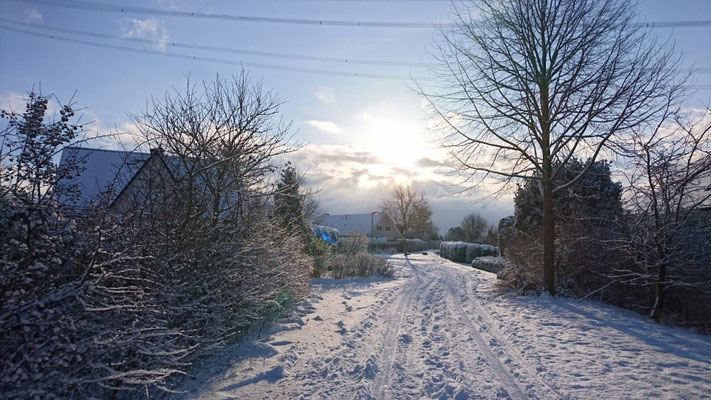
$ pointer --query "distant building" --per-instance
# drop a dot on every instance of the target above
(381, 225)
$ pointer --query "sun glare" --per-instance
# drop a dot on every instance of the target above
(397, 142)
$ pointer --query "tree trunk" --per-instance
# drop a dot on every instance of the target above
(548, 239)
(659, 288)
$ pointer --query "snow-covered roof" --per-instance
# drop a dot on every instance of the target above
(101, 170)
(352, 222)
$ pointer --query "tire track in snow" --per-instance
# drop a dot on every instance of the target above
(506, 380)
(391, 342)
(444, 375)
(408, 373)
(488, 324)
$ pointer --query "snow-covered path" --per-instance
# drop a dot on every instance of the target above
(439, 330)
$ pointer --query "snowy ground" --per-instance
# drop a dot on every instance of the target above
(439, 330)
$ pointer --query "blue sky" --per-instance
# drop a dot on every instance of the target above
(361, 134)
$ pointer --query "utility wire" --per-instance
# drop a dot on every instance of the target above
(387, 1)
(247, 52)
(226, 17)
(216, 48)
(232, 62)
(78, 4)
(214, 60)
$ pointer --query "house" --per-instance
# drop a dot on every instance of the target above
(101, 173)
(700, 188)
(705, 193)
(130, 181)
(376, 225)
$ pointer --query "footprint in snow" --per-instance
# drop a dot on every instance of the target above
(342, 327)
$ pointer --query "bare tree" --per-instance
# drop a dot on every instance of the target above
(529, 84)
(222, 137)
(404, 207)
(474, 227)
(669, 180)
(422, 226)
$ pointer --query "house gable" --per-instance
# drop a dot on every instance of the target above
(346, 223)
(101, 172)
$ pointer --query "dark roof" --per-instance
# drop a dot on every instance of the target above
(101, 171)
(111, 171)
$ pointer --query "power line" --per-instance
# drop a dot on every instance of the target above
(247, 52)
(214, 60)
(232, 62)
(226, 17)
(218, 49)
(78, 4)
(386, 1)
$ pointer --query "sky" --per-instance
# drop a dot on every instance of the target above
(359, 134)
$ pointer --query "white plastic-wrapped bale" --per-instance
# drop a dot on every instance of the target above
(447, 250)
(461, 252)
(487, 250)
(497, 249)
(473, 251)
(489, 263)
(442, 245)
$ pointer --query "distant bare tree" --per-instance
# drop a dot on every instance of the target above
(422, 226)
(404, 207)
(474, 227)
(525, 85)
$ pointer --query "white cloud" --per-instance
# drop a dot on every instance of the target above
(125, 135)
(13, 101)
(170, 4)
(33, 16)
(326, 126)
(149, 28)
(353, 179)
(16, 102)
(326, 95)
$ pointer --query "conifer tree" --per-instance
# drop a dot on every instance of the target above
(288, 201)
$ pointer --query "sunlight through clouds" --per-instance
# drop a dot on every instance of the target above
(355, 179)
(394, 136)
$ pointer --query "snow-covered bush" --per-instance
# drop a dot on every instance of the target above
(352, 259)
(361, 264)
(353, 243)
(108, 304)
(384, 247)
(412, 245)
